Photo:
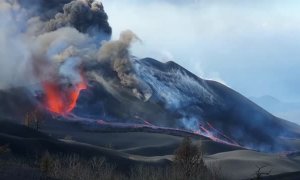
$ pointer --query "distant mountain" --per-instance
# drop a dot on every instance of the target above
(286, 110)
(265, 100)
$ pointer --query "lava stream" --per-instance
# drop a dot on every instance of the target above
(206, 129)
(61, 100)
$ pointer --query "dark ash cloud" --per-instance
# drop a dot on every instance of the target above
(83, 15)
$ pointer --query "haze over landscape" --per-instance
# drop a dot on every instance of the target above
(151, 89)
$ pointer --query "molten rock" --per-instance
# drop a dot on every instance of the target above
(62, 100)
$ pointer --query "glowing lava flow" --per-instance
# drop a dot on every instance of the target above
(209, 131)
(205, 129)
(62, 101)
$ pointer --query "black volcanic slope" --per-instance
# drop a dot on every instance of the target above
(174, 97)
(29, 143)
(167, 95)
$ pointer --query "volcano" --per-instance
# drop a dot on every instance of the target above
(79, 73)
(70, 88)
(171, 96)
(166, 97)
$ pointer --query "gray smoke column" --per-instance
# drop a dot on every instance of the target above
(117, 55)
(84, 15)
(51, 42)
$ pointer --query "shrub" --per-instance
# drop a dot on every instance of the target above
(46, 163)
(189, 163)
(151, 173)
(261, 172)
(72, 167)
(4, 149)
(33, 120)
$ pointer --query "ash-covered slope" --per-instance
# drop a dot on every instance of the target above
(167, 95)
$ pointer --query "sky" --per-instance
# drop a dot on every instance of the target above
(250, 46)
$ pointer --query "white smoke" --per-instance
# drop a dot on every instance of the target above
(30, 54)
(14, 54)
(64, 46)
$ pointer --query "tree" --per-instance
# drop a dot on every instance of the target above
(32, 120)
(4, 149)
(259, 173)
(188, 161)
(47, 162)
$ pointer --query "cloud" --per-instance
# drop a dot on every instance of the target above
(251, 46)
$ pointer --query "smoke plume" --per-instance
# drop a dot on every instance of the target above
(56, 44)
(40, 38)
(87, 15)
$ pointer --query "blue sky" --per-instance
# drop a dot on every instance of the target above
(251, 46)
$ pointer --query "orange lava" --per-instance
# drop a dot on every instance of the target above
(62, 101)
